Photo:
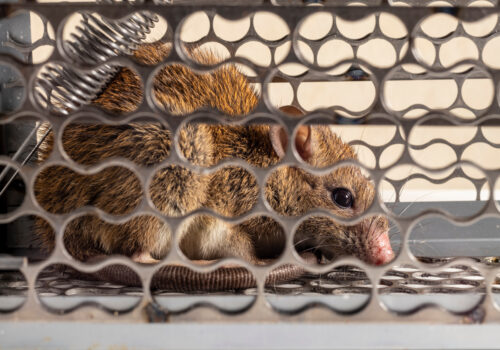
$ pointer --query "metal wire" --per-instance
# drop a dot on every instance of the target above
(26, 159)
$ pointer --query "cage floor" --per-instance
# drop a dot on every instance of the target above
(343, 289)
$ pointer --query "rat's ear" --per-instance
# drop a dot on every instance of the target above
(291, 110)
(279, 138)
(303, 142)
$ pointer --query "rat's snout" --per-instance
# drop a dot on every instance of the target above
(381, 252)
(367, 240)
(378, 246)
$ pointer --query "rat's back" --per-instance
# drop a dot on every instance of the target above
(174, 190)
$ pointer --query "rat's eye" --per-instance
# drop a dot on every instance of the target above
(342, 197)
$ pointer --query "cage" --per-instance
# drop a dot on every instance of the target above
(409, 86)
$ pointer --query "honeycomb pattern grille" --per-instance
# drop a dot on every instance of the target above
(393, 45)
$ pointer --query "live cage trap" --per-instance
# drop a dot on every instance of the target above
(413, 89)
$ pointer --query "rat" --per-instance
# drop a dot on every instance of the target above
(230, 191)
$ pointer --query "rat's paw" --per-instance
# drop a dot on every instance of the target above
(144, 258)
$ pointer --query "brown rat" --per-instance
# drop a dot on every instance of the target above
(230, 191)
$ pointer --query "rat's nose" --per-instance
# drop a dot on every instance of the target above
(381, 251)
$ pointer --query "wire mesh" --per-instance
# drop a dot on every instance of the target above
(348, 288)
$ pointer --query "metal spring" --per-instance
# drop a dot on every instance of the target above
(62, 89)
(99, 39)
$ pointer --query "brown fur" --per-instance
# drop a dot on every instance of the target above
(176, 191)
(178, 89)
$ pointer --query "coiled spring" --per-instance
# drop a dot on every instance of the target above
(62, 89)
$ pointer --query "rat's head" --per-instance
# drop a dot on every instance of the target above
(345, 192)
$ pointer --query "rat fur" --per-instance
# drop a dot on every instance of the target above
(231, 191)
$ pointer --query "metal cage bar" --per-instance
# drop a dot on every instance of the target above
(373, 308)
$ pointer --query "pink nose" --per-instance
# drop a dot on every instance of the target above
(381, 252)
